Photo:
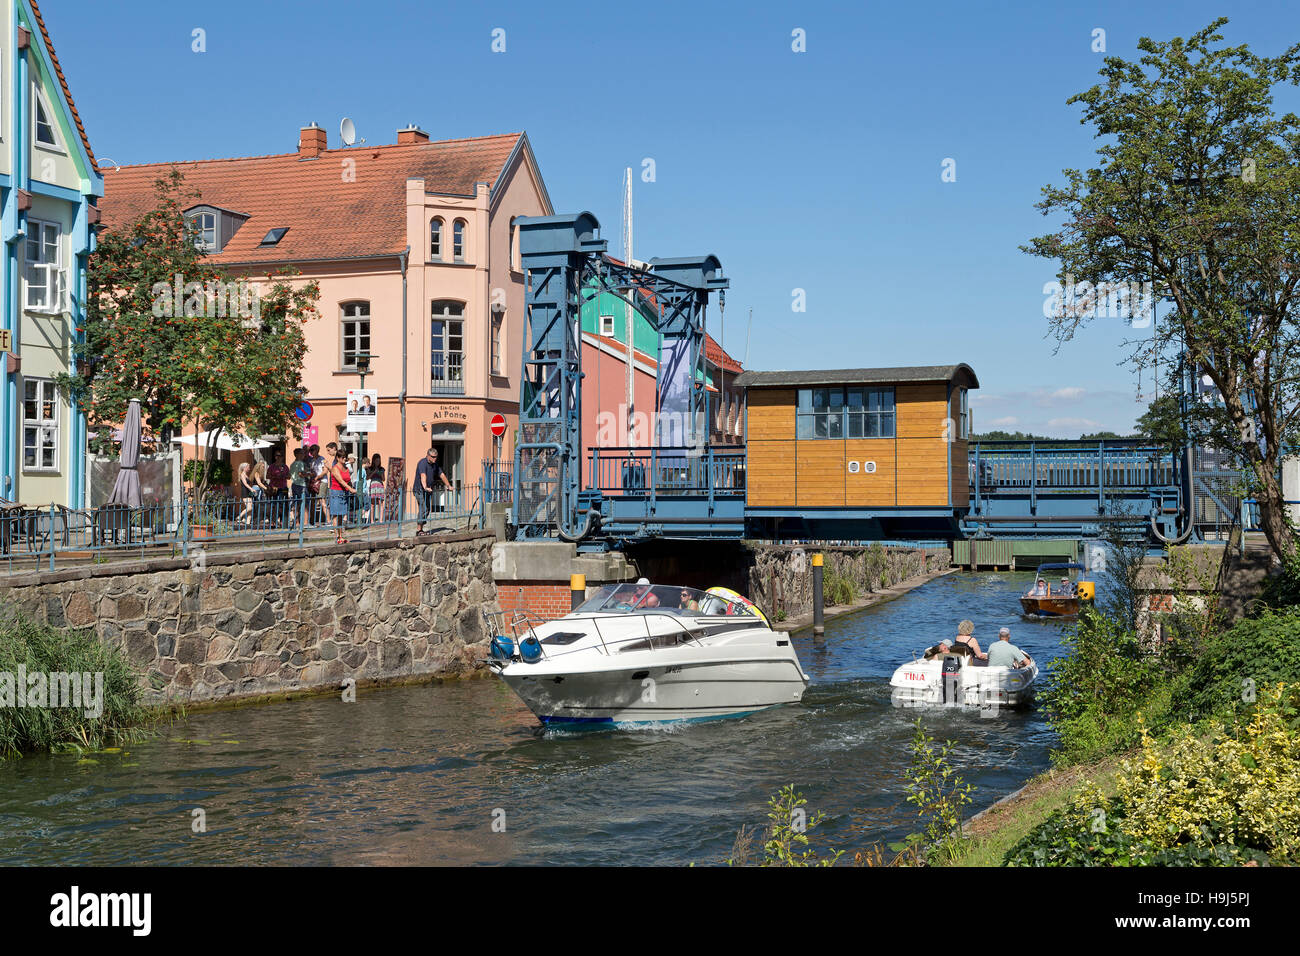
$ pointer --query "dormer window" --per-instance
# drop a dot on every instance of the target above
(214, 227)
(205, 231)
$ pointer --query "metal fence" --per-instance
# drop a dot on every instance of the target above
(1028, 465)
(56, 536)
(637, 472)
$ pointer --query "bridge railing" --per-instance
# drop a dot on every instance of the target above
(1034, 465)
(673, 470)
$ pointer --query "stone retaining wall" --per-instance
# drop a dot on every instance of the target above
(780, 576)
(282, 620)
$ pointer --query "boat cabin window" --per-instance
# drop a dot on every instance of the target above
(625, 598)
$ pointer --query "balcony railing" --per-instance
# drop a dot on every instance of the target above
(447, 374)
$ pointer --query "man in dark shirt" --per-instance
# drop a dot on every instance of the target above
(427, 474)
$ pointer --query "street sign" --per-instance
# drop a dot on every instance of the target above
(304, 411)
(498, 425)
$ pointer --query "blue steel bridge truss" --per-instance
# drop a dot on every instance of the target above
(565, 263)
(687, 489)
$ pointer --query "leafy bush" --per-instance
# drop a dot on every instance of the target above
(1238, 786)
(940, 795)
(1283, 589)
(219, 472)
(1097, 689)
(1223, 798)
(1224, 680)
(1088, 833)
(838, 588)
(40, 648)
(787, 831)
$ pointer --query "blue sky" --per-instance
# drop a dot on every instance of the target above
(818, 170)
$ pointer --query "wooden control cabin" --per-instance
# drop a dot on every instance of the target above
(867, 452)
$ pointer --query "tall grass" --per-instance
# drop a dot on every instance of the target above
(40, 648)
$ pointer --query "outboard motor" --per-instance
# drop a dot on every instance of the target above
(951, 678)
(502, 648)
(530, 649)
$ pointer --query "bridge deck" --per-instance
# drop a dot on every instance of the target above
(1017, 489)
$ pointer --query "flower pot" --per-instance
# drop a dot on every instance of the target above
(202, 531)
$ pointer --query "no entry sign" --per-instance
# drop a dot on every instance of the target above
(498, 425)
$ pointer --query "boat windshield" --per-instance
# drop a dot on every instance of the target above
(627, 598)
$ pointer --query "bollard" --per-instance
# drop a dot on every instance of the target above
(577, 590)
(819, 625)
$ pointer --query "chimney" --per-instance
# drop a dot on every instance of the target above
(411, 136)
(311, 142)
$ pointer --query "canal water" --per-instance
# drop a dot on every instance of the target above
(457, 773)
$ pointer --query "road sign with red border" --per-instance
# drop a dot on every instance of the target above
(498, 425)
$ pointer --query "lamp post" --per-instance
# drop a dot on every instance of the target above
(363, 369)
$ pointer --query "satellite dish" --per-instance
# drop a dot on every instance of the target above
(348, 132)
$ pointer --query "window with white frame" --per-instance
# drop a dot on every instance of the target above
(44, 264)
(355, 317)
(205, 231)
(40, 425)
(435, 240)
(458, 241)
(607, 325)
(447, 347)
(43, 132)
(498, 343)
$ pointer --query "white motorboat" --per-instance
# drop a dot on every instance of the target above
(646, 654)
(952, 679)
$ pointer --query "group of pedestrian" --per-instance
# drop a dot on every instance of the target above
(331, 488)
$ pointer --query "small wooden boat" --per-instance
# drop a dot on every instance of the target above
(1053, 600)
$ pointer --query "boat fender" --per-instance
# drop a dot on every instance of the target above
(502, 648)
(530, 649)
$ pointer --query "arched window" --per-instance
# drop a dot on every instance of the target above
(458, 241)
(435, 240)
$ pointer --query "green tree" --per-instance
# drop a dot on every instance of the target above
(1163, 421)
(222, 357)
(1197, 191)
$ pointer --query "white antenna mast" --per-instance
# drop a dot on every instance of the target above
(627, 306)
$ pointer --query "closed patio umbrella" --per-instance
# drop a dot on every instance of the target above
(126, 489)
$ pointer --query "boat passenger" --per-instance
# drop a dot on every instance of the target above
(688, 603)
(966, 642)
(1005, 654)
(1066, 590)
(938, 650)
(1040, 589)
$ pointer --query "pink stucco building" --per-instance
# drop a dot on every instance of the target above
(415, 248)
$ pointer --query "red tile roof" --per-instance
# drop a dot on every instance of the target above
(713, 352)
(63, 81)
(327, 217)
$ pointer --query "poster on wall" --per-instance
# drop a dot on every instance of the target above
(362, 409)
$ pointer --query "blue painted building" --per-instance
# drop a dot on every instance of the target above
(49, 186)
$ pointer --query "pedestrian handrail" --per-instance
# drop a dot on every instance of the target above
(54, 536)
